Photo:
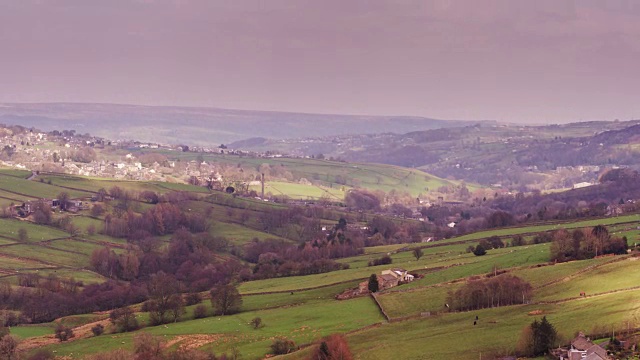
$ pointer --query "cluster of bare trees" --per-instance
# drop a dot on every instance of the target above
(585, 244)
(496, 291)
(49, 298)
(162, 219)
(275, 258)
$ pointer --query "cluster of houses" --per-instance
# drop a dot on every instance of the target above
(582, 348)
(72, 206)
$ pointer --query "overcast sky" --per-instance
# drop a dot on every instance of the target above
(510, 60)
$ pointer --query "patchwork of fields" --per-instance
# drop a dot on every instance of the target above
(304, 308)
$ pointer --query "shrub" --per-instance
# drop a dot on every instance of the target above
(147, 346)
(8, 346)
(64, 333)
(479, 250)
(256, 322)
(97, 330)
(124, 319)
(385, 260)
(281, 346)
(334, 347)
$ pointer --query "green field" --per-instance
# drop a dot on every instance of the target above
(10, 227)
(300, 323)
(439, 337)
(301, 191)
(36, 189)
(24, 332)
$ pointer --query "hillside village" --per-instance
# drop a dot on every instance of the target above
(86, 155)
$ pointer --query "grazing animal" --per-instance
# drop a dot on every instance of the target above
(474, 323)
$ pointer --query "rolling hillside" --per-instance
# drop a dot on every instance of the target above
(303, 308)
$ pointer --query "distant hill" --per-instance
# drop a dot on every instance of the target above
(514, 156)
(203, 126)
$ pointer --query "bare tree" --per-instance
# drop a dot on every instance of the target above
(226, 299)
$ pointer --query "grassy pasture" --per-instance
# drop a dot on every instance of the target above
(608, 277)
(440, 337)
(46, 255)
(301, 323)
(541, 276)
(83, 222)
(408, 300)
(10, 228)
(301, 191)
(12, 264)
(15, 198)
(85, 248)
(423, 299)
(15, 172)
(92, 184)
(470, 265)
(256, 302)
(28, 331)
(36, 189)
(473, 265)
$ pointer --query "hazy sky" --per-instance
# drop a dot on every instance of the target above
(510, 60)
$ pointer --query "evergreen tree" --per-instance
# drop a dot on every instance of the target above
(373, 283)
(544, 336)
